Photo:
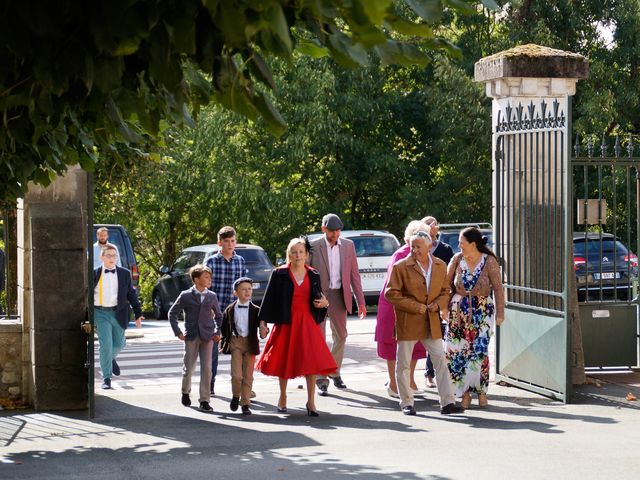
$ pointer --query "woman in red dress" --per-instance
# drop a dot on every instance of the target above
(294, 302)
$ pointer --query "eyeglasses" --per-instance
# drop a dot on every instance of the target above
(423, 234)
(110, 255)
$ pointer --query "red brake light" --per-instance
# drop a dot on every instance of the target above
(578, 262)
(631, 258)
(135, 274)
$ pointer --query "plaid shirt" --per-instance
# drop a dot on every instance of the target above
(225, 272)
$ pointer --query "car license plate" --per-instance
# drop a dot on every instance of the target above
(606, 275)
(373, 276)
(255, 285)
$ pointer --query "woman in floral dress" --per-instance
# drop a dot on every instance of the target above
(477, 304)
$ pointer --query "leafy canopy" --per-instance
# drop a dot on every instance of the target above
(79, 78)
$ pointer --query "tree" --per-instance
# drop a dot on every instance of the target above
(78, 80)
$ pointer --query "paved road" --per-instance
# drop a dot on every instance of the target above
(142, 432)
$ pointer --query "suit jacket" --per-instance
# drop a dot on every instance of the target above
(276, 303)
(200, 317)
(349, 274)
(228, 328)
(407, 291)
(444, 252)
(126, 295)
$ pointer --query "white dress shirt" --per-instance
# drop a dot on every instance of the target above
(108, 283)
(241, 318)
(427, 274)
(333, 254)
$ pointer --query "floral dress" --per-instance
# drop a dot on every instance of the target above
(471, 323)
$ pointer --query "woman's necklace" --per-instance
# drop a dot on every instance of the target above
(299, 274)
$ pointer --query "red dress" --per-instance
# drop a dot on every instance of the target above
(299, 348)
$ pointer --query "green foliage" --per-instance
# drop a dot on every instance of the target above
(376, 145)
(82, 79)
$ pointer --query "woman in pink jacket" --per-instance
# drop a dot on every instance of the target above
(386, 319)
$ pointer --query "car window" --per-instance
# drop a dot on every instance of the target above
(197, 258)
(452, 238)
(254, 256)
(374, 246)
(182, 262)
(592, 246)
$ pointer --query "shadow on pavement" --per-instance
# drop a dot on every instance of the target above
(132, 442)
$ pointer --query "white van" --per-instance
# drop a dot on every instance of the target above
(373, 249)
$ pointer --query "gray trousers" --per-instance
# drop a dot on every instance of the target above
(193, 349)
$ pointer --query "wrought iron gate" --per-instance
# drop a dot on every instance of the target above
(605, 240)
(532, 218)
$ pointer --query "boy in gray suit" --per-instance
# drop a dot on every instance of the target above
(202, 316)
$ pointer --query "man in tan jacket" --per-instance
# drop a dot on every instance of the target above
(419, 293)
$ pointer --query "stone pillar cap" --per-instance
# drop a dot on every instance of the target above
(531, 61)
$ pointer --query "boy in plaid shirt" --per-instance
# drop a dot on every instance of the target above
(227, 266)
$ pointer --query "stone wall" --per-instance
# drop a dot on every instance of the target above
(11, 363)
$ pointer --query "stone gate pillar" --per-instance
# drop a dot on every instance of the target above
(52, 292)
(531, 87)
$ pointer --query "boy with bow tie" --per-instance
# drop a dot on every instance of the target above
(240, 328)
(112, 295)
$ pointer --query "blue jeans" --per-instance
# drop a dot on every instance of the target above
(214, 362)
(111, 338)
(429, 372)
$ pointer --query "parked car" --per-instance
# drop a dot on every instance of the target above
(119, 237)
(176, 278)
(373, 249)
(450, 233)
(605, 268)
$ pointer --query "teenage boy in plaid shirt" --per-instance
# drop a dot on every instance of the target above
(227, 266)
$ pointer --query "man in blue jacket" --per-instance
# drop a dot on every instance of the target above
(112, 295)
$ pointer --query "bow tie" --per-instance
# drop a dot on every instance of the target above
(243, 306)
(110, 271)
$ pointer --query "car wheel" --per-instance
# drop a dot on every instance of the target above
(158, 310)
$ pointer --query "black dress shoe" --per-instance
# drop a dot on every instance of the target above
(235, 401)
(451, 408)
(311, 413)
(186, 400)
(408, 410)
(323, 390)
(106, 384)
(205, 407)
(115, 368)
(246, 410)
(338, 383)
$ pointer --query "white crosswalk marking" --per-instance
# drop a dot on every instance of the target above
(157, 363)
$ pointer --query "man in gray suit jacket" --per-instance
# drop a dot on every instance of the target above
(335, 259)
(202, 317)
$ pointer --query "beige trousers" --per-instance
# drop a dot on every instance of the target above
(338, 323)
(403, 360)
(242, 362)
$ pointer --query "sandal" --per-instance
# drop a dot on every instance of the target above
(482, 400)
(466, 400)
